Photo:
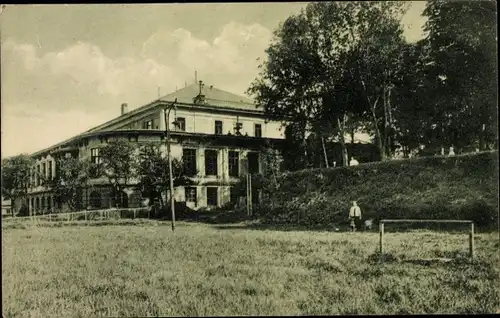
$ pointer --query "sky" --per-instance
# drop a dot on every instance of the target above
(68, 68)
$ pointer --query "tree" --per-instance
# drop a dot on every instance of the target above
(153, 172)
(308, 59)
(118, 163)
(71, 177)
(16, 175)
(462, 58)
(376, 65)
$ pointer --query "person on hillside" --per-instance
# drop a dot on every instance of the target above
(353, 162)
(452, 151)
(354, 215)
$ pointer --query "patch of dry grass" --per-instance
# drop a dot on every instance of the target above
(200, 270)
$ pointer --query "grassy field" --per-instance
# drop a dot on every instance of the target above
(200, 270)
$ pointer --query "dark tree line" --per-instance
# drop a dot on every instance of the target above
(338, 68)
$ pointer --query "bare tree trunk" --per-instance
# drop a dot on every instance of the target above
(481, 138)
(378, 136)
(324, 151)
(304, 146)
(341, 125)
(388, 122)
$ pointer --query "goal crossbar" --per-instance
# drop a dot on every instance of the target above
(425, 221)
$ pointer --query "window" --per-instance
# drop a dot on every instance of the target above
(210, 162)
(37, 175)
(50, 170)
(189, 160)
(253, 162)
(95, 200)
(44, 169)
(258, 130)
(191, 194)
(234, 166)
(212, 196)
(182, 123)
(94, 156)
(32, 177)
(218, 127)
(148, 124)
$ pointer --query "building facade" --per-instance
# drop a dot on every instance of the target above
(217, 134)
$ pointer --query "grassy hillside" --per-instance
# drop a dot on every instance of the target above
(459, 187)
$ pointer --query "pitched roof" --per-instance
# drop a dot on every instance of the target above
(213, 96)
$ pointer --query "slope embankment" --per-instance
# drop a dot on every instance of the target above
(458, 187)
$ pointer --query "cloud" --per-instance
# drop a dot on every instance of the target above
(229, 61)
(47, 97)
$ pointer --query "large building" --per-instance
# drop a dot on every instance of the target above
(218, 135)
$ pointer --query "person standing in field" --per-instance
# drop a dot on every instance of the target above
(354, 215)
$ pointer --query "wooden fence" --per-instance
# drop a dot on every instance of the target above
(90, 215)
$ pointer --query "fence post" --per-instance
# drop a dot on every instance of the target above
(134, 214)
(381, 230)
(471, 240)
(85, 215)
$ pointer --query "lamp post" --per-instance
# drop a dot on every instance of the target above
(171, 179)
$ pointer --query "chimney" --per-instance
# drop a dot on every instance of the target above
(200, 98)
(124, 108)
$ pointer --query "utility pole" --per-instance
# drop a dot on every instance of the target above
(249, 194)
(170, 177)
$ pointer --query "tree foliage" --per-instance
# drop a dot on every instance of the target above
(462, 62)
(340, 67)
(16, 174)
(307, 72)
(118, 163)
(154, 174)
(71, 177)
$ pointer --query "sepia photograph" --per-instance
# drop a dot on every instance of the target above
(250, 159)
